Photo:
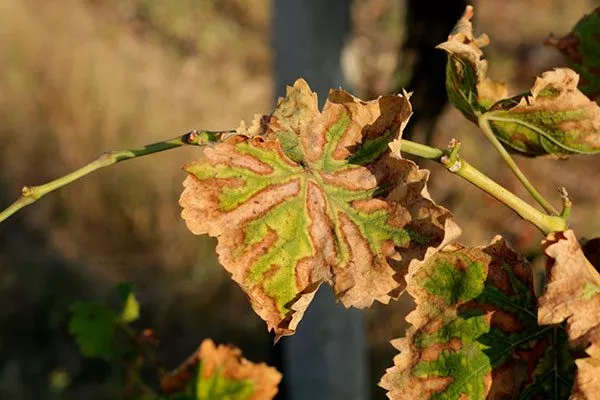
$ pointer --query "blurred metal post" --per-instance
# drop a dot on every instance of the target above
(326, 359)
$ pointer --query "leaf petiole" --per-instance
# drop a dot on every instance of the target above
(31, 194)
(451, 161)
(485, 127)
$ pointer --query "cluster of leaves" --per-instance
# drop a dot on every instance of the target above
(304, 197)
(554, 117)
(211, 373)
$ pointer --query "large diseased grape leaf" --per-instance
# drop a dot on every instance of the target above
(582, 48)
(554, 118)
(469, 89)
(220, 373)
(475, 334)
(311, 197)
(572, 294)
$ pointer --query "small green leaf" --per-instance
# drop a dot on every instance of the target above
(474, 332)
(582, 49)
(93, 326)
(130, 308)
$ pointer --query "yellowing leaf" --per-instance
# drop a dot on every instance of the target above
(554, 118)
(582, 48)
(475, 334)
(221, 373)
(313, 198)
(572, 294)
(469, 89)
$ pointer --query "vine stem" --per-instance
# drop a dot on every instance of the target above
(451, 161)
(30, 194)
(484, 125)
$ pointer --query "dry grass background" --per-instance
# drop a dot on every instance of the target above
(80, 77)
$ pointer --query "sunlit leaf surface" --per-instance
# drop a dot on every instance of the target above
(220, 373)
(475, 333)
(572, 294)
(307, 197)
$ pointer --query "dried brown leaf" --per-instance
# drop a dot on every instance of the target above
(469, 88)
(572, 294)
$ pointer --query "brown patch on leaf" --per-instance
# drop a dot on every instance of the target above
(291, 209)
(225, 360)
(448, 299)
(558, 117)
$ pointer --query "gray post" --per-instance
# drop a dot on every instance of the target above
(326, 359)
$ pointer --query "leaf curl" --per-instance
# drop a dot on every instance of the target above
(554, 118)
(469, 89)
(316, 198)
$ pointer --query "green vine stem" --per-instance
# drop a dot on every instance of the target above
(31, 194)
(452, 161)
(484, 124)
(449, 158)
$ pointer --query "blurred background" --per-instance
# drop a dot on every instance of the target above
(78, 77)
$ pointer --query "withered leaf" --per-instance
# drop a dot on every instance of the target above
(554, 118)
(572, 294)
(469, 89)
(474, 332)
(220, 372)
(315, 198)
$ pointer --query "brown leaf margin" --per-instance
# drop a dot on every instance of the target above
(356, 286)
(229, 361)
(572, 294)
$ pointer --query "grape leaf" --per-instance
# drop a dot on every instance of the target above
(469, 89)
(93, 325)
(315, 197)
(474, 332)
(554, 118)
(220, 373)
(130, 308)
(572, 294)
(582, 49)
